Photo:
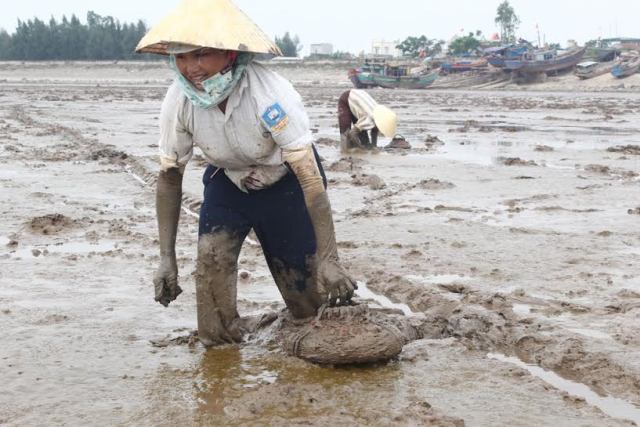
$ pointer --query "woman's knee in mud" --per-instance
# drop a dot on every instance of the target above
(218, 252)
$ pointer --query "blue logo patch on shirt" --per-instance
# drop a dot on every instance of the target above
(275, 118)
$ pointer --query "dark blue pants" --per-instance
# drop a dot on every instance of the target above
(279, 217)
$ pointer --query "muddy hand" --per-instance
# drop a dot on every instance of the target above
(336, 282)
(165, 281)
(353, 135)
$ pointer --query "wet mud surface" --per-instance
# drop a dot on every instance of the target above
(510, 229)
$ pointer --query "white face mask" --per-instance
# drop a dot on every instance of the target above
(218, 87)
(217, 84)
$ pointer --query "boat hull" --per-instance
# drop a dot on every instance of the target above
(367, 80)
(595, 72)
(406, 82)
(626, 69)
(496, 61)
(559, 63)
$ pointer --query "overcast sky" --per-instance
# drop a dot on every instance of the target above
(351, 25)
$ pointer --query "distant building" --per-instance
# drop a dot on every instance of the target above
(284, 60)
(625, 43)
(321, 49)
(385, 48)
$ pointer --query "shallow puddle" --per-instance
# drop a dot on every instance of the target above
(365, 293)
(223, 377)
(438, 279)
(521, 309)
(616, 408)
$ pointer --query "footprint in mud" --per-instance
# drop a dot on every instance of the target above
(374, 182)
(560, 208)
(423, 413)
(432, 141)
(52, 319)
(346, 165)
(49, 224)
(109, 154)
(606, 170)
(625, 149)
(442, 208)
(435, 184)
(544, 148)
(516, 161)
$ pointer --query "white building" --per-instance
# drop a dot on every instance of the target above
(385, 48)
(321, 49)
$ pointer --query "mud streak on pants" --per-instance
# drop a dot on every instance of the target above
(279, 217)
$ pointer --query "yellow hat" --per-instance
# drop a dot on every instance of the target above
(386, 120)
(207, 23)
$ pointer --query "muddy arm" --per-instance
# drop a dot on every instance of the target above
(333, 280)
(168, 201)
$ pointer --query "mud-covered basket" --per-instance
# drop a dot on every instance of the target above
(344, 335)
(398, 142)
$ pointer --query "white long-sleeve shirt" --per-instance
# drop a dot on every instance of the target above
(264, 116)
(362, 105)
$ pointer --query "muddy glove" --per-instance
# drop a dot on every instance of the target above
(168, 201)
(344, 143)
(353, 136)
(334, 283)
(165, 281)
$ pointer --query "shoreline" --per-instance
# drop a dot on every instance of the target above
(327, 73)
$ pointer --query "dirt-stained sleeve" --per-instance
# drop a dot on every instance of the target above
(176, 142)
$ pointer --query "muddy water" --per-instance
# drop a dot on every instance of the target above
(534, 258)
(613, 407)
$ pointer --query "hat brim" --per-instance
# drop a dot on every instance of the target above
(218, 24)
(179, 48)
(386, 120)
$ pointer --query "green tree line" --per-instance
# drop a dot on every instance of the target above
(289, 46)
(101, 38)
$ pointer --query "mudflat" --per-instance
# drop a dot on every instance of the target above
(511, 229)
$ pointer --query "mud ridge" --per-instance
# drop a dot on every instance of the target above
(96, 150)
(488, 323)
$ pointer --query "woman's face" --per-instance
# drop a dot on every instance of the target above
(201, 64)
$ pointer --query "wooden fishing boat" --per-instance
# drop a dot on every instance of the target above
(463, 65)
(406, 82)
(497, 55)
(589, 69)
(376, 74)
(545, 61)
(601, 54)
(626, 66)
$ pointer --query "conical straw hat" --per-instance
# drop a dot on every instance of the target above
(208, 23)
(386, 120)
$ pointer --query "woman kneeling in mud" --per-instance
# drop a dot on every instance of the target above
(264, 173)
